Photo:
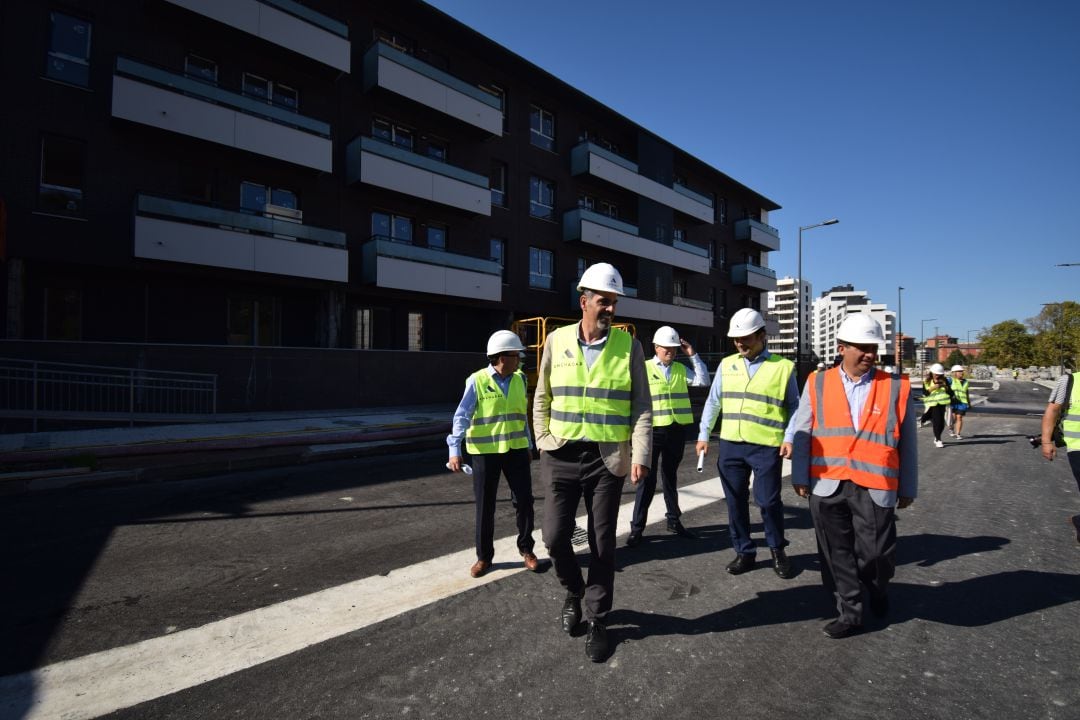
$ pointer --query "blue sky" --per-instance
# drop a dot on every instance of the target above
(945, 136)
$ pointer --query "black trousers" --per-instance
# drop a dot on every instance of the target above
(669, 443)
(486, 469)
(936, 414)
(857, 544)
(573, 472)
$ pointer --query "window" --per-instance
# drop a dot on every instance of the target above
(201, 69)
(587, 202)
(497, 181)
(253, 321)
(436, 149)
(68, 58)
(541, 128)
(722, 309)
(436, 237)
(721, 211)
(363, 329)
(541, 268)
(678, 288)
(721, 256)
(60, 189)
(389, 132)
(541, 198)
(678, 235)
(609, 208)
(416, 331)
(582, 264)
(256, 87)
(498, 254)
(63, 314)
(391, 227)
(286, 97)
(256, 197)
(712, 254)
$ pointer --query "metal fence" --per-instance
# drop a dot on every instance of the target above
(35, 389)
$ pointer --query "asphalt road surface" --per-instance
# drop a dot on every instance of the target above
(341, 590)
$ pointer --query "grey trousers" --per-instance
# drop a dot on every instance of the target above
(573, 472)
(857, 544)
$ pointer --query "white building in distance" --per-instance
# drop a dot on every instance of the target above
(836, 304)
(782, 308)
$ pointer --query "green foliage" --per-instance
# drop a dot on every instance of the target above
(1057, 334)
(956, 358)
(1008, 344)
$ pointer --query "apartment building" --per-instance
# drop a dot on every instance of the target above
(783, 304)
(333, 174)
(833, 306)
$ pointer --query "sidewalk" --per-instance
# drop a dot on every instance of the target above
(51, 460)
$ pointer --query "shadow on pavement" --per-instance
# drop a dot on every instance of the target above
(929, 549)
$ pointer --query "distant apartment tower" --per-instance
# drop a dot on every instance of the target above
(783, 308)
(836, 304)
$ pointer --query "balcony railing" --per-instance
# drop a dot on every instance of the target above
(393, 152)
(687, 302)
(211, 93)
(305, 13)
(226, 219)
(755, 276)
(383, 246)
(598, 229)
(758, 233)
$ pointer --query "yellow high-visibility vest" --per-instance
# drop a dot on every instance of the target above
(590, 403)
(752, 409)
(498, 422)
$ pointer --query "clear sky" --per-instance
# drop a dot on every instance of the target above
(944, 134)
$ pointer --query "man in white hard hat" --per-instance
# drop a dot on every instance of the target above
(961, 401)
(593, 422)
(855, 457)
(492, 420)
(756, 394)
(671, 415)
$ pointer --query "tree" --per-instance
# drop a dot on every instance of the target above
(1008, 344)
(956, 358)
(1057, 333)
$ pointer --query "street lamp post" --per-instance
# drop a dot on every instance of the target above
(798, 297)
(922, 335)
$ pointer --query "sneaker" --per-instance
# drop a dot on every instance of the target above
(958, 437)
(938, 443)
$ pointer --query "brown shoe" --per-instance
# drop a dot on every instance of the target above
(1075, 520)
(531, 563)
(479, 568)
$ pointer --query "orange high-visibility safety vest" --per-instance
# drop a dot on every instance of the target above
(869, 456)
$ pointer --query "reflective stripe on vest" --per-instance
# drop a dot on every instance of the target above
(670, 399)
(1070, 421)
(868, 456)
(937, 396)
(752, 409)
(590, 403)
(960, 389)
(498, 422)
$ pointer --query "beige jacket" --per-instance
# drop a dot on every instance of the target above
(617, 456)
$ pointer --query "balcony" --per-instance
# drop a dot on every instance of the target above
(401, 73)
(381, 164)
(591, 159)
(764, 236)
(755, 276)
(184, 232)
(283, 22)
(691, 303)
(159, 98)
(678, 313)
(607, 232)
(388, 264)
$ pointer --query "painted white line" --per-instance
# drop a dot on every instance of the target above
(110, 680)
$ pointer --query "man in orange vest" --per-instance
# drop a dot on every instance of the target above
(854, 456)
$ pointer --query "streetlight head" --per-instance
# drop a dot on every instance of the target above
(832, 221)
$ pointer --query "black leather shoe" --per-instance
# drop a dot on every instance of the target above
(675, 526)
(1075, 522)
(879, 605)
(838, 630)
(596, 644)
(741, 564)
(634, 540)
(571, 613)
(781, 564)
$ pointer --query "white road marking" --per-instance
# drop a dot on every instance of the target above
(103, 682)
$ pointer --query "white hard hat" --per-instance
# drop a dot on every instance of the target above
(937, 369)
(504, 341)
(666, 336)
(745, 322)
(888, 369)
(821, 366)
(602, 277)
(956, 368)
(860, 329)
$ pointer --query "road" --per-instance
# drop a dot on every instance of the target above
(210, 598)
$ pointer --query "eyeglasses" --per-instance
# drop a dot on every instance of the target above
(510, 354)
